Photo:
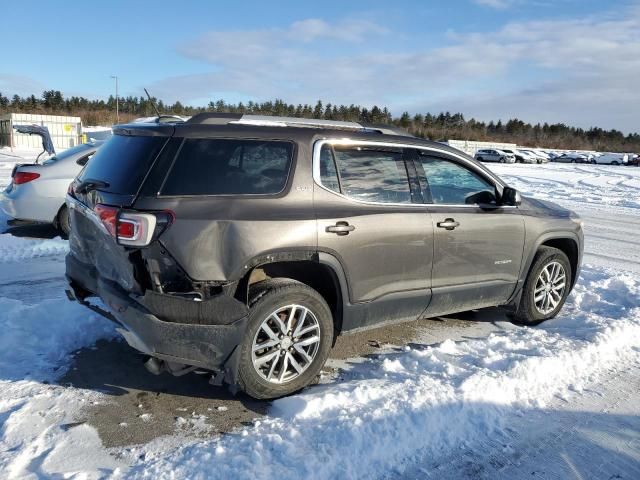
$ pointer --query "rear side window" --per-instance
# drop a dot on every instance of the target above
(123, 162)
(229, 167)
(372, 175)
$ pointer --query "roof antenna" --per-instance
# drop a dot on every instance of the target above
(153, 103)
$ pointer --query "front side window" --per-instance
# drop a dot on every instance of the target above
(369, 174)
(229, 167)
(447, 182)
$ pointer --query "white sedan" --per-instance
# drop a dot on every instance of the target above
(611, 158)
(494, 155)
(37, 191)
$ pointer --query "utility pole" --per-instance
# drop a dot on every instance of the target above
(117, 106)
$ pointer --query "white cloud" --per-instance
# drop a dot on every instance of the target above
(19, 84)
(498, 4)
(582, 71)
(350, 31)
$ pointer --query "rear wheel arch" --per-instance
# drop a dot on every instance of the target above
(61, 220)
(315, 273)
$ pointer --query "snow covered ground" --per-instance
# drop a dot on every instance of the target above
(558, 401)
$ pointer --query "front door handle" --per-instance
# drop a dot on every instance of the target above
(448, 224)
(340, 228)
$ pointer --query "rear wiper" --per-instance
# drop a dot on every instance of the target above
(90, 184)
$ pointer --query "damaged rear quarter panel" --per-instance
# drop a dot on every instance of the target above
(216, 237)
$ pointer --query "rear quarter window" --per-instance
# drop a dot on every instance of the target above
(123, 162)
(229, 167)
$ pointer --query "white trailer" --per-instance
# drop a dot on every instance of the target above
(470, 147)
(65, 132)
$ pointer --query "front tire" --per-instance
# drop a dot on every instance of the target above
(546, 287)
(288, 338)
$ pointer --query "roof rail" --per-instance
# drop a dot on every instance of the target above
(387, 129)
(215, 118)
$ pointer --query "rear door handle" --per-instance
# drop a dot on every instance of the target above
(448, 224)
(340, 228)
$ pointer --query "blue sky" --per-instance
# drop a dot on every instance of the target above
(566, 61)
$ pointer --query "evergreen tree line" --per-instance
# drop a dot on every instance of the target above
(442, 126)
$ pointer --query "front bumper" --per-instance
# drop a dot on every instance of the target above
(185, 339)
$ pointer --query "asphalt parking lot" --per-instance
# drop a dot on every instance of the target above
(141, 407)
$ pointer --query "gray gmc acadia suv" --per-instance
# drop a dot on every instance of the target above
(243, 245)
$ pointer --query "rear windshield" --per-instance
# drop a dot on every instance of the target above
(229, 167)
(123, 161)
(70, 152)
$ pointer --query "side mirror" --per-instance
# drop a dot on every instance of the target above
(483, 197)
(510, 196)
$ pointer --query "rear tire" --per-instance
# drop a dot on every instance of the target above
(502, 160)
(271, 300)
(615, 163)
(63, 222)
(480, 159)
(542, 298)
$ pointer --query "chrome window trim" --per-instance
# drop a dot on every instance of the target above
(317, 147)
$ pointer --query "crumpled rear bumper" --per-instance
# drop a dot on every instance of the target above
(185, 339)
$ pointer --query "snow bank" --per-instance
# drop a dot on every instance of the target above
(423, 402)
(14, 249)
(596, 185)
(37, 339)
(38, 436)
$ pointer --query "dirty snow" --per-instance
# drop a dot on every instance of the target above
(14, 249)
(465, 409)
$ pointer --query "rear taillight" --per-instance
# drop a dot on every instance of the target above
(24, 177)
(108, 215)
(136, 229)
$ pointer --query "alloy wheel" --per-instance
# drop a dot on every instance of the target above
(286, 344)
(550, 287)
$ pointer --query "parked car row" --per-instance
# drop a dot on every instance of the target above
(544, 156)
(510, 156)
